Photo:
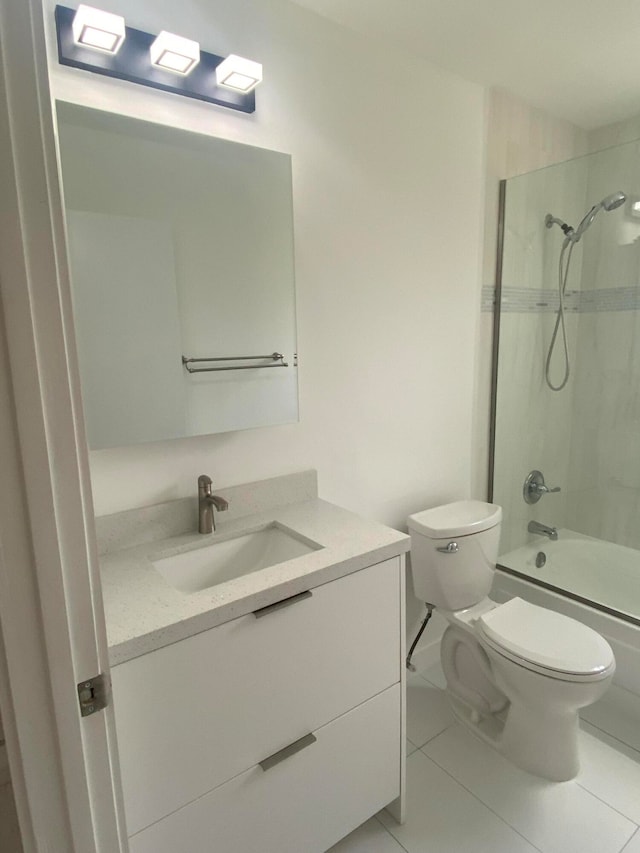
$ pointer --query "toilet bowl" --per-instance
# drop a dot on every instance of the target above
(517, 674)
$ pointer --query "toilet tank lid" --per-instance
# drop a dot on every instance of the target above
(461, 518)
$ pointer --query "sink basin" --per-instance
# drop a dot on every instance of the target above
(193, 571)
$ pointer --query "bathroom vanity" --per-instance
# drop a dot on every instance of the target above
(264, 712)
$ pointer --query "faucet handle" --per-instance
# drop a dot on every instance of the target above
(204, 484)
(535, 487)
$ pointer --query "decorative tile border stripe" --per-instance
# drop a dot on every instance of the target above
(526, 300)
(611, 299)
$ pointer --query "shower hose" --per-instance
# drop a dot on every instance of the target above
(563, 277)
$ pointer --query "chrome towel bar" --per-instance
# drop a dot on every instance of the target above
(276, 359)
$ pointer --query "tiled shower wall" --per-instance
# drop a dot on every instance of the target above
(533, 423)
(585, 439)
(604, 466)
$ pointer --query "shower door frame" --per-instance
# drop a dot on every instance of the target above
(603, 608)
(495, 349)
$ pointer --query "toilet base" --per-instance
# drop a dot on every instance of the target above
(488, 729)
(545, 745)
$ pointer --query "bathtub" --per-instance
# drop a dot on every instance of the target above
(593, 581)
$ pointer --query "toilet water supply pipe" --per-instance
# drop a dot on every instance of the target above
(411, 666)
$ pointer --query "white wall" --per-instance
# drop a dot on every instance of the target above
(388, 186)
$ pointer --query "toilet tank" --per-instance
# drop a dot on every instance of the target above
(454, 549)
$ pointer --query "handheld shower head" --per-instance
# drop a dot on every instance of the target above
(614, 200)
(572, 236)
(611, 202)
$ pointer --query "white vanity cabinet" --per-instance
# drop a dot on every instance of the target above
(277, 732)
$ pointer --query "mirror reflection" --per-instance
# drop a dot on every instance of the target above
(181, 248)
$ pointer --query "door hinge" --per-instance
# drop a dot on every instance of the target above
(93, 695)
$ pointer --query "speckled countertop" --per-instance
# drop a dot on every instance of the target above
(144, 612)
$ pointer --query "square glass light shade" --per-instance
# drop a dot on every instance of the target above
(237, 73)
(97, 29)
(175, 53)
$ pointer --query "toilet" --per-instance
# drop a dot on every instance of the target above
(517, 674)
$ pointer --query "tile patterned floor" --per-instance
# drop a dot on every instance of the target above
(464, 797)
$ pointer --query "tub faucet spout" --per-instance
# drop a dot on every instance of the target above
(543, 530)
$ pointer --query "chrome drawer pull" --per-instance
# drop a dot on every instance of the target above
(287, 752)
(451, 548)
(285, 602)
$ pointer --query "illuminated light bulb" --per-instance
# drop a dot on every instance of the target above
(97, 29)
(240, 74)
(175, 53)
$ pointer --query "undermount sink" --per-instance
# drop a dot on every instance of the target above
(193, 571)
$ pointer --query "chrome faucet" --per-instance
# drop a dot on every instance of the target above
(535, 487)
(206, 503)
(543, 530)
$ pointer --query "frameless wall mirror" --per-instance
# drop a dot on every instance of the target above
(181, 254)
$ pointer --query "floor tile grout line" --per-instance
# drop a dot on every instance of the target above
(388, 831)
(604, 802)
(628, 842)
(488, 808)
(609, 734)
(580, 785)
(433, 737)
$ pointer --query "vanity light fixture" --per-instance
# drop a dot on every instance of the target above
(98, 30)
(238, 73)
(168, 62)
(174, 53)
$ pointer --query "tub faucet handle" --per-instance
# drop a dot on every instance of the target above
(535, 487)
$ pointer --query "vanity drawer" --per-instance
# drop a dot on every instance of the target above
(304, 804)
(192, 715)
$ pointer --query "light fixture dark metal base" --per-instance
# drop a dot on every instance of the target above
(133, 63)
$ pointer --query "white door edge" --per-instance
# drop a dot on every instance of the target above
(64, 768)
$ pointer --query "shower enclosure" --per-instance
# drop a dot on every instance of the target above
(566, 408)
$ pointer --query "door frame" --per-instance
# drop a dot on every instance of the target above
(64, 767)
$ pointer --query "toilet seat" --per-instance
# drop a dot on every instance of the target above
(546, 642)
